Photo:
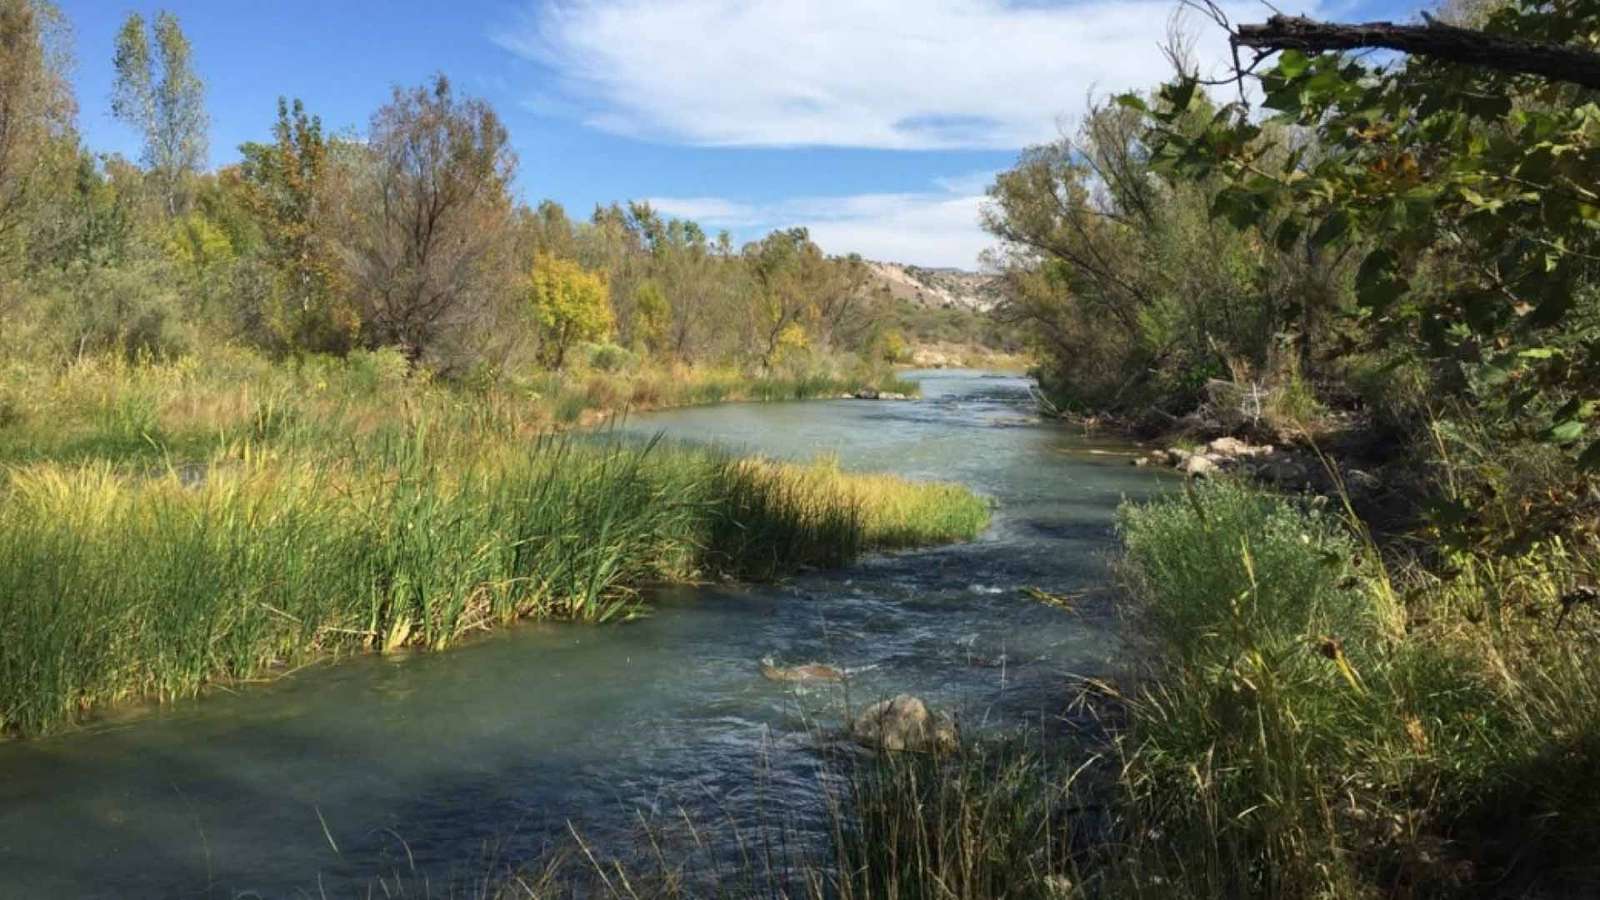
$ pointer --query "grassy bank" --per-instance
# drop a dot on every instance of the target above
(104, 407)
(166, 527)
(1322, 722)
(1307, 719)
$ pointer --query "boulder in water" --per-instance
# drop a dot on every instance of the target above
(905, 724)
(809, 672)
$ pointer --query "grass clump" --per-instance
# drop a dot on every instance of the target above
(1314, 724)
(993, 821)
(120, 583)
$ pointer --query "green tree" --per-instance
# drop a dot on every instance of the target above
(651, 315)
(36, 107)
(1468, 195)
(785, 266)
(286, 188)
(570, 304)
(202, 252)
(158, 93)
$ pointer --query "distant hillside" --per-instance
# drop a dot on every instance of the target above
(936, 288)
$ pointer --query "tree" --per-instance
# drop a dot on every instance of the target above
(286, 188)
(1467, 193)
(431, 218)
(35, 103)
(839, 299)
(570, 305)
(202, 252)
(785, 265)
(159, 94)
(1133, 295)
(651, 313)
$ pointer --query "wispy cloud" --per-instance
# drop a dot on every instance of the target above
(899, 74)
(938, 227)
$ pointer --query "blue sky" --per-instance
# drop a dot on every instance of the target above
(876, 123)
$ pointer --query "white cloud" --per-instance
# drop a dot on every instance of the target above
(932, 228)
(899, 74)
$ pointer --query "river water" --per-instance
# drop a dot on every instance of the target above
(427, 763)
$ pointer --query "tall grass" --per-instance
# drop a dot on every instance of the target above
(105, 407)
(1306, 729)
(119, 584)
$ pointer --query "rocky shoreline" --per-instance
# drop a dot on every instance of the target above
(1284, 468)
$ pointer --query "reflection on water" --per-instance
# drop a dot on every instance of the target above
(507, 740)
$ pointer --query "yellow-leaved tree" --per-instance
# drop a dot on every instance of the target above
(570, 303)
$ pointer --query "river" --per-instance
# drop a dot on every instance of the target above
(340, 773)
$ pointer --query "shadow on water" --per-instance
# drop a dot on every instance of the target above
(429, 759)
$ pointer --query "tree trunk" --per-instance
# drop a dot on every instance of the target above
(1435, 40)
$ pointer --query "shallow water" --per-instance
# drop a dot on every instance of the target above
(420, 762)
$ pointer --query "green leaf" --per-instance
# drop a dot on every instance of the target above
(1332, 229)
(1241, 207)
(1564, 432)
(1293, 64)
(1288, 233)
(1378, 283)
(1180, 94)
(1133, 101)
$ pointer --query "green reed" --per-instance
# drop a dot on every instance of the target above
(119, 583)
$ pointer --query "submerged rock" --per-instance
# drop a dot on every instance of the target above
(809, 672)
(905, 724)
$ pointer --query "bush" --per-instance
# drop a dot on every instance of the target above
(609, 357)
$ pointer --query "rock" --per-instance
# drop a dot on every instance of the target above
(1197, 466)
(808, 672)
(1281, 470)
(904, 724)
(1176, 457)
(1361, 482)
(893, 396)
(1234, 448)
(1140, 461)
(1229, 446)
(867, 394)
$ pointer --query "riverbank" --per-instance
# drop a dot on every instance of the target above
(1302, 715)
(164, 528)
(219, 401)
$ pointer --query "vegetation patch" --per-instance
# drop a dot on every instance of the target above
(122, 583)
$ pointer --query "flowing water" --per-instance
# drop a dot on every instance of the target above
(324, 780)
